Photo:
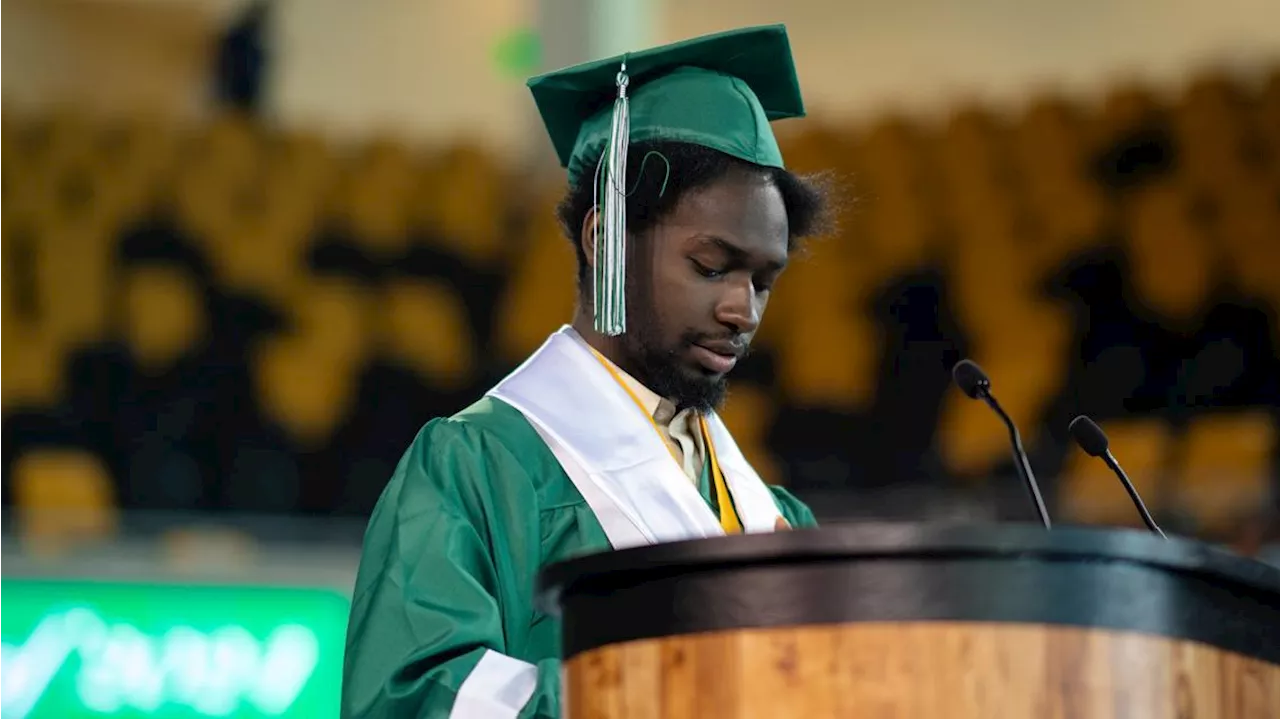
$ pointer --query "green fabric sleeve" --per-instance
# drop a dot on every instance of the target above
(446, 573)
(796, 513)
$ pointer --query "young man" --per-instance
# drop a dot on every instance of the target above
(607, 436)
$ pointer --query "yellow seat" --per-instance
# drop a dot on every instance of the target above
(63, 496)
(461, 204)
(1048, 140)
(893, 152)
(32, 366)
(31, 347)
(60, 137)
(77, 189)
(198, 201)
(994, 288)
(75, 280)
(10, 182)
(1246, 234)
(61, 228)
(8, 296)
(748, 413)
(373, 197)
(976, 215)
(1092, 494)
(824, 273)
(305, 162)
(1170, 259)
(1045, 324)
(817, 326)
(989, 272)
(332, 316)
(256, 240)
(814, 148)
(9, 126)
(1050, 160)
(209, 167)
(1028, 372)
(136, 155)
(1210, 123)
(542, 291)
(1072, 218)
(1265, 120)
(427, 329)
(230, 146)
(1125, 108)
(246, 209)
(975, 168)
(972, 135)
(1226, 472)
(304, 393)
(164, 315)
(899, 216)
(901, 231)
(828, 359)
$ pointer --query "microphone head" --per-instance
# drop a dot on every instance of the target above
(1089, 436)
(970, 378)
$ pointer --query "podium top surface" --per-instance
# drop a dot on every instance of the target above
(1118, 579)
(869, 542)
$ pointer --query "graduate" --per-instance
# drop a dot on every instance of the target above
(683, 217)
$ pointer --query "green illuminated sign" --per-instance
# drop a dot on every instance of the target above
(122, 650)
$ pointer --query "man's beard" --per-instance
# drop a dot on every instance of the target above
(658, 367)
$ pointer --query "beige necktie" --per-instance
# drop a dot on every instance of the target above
(679, 428)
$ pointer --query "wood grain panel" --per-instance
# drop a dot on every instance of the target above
(922, 669)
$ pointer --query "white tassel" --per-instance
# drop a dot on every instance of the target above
(609, 289)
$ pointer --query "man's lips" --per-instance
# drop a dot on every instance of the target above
(717, 357)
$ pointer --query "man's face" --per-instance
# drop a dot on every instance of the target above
(698, 287)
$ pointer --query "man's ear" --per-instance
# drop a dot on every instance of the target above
(587, 237)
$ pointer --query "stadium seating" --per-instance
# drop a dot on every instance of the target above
(64, 497)
(444, 267)
(531, 306)
(1227, 468)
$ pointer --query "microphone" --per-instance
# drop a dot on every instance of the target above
(1094, 442)
(975, 384)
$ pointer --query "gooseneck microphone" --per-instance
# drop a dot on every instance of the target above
(975, 384)
(1094, 442)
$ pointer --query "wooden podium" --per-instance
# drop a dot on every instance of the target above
(919, 621)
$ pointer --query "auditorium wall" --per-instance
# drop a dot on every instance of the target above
(426, 70)
(110, 56)
(860, 57)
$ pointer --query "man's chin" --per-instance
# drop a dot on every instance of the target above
(700, 388)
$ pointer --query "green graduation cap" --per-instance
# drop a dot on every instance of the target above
(719, 91)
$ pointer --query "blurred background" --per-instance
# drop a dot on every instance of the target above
(249, 248)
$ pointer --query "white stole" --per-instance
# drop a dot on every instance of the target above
(612, 454)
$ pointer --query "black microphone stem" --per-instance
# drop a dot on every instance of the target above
(1020, 459)
(1133, 493)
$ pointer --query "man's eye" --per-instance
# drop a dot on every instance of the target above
(705, 271)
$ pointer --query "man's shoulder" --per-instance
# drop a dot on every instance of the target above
(498, 441)
(491, 416)
(488, 425)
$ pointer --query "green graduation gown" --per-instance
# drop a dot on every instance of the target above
(478, 505)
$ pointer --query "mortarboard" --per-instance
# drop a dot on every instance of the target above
(719, 91)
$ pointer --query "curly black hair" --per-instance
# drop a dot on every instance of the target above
(660, 173)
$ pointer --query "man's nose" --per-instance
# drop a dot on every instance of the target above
(739, 307)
